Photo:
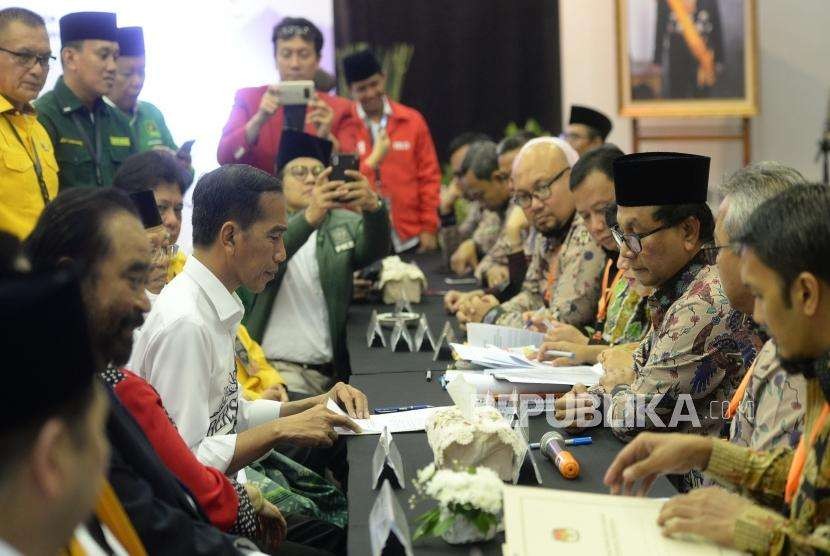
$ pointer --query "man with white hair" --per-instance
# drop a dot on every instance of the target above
(767, 409)
(566, 267)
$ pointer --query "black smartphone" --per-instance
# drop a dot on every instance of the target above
(340, 162)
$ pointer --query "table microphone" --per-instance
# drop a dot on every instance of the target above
(551, 446)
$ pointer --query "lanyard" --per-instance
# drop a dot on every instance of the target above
(94, 153)
(801, 453)
(35, 158)
(607, 290)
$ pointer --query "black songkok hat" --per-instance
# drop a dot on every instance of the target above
(131, 41)
(360, 65)
(80, 26)
(592, 118)
(145, 202)
(35, 310)
(657, 178)
(296, 144)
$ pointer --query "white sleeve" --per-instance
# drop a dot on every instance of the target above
(257, 412)
(176, 360)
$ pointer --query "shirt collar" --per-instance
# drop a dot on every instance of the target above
(665, 296)
(7, 106)
(129, 115)
(387, 109)
(228, 306)
(67, 100)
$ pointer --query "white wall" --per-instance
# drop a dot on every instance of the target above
(794, 83)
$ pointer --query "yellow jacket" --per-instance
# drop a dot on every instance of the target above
(21, 197)
(253, 371)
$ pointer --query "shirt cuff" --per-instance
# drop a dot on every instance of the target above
(755, 529)
(217, 451)
(728, 462)
(262, 411)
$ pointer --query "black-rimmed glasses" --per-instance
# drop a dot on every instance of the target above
(634, 241)
(541, 191)
(29, 59)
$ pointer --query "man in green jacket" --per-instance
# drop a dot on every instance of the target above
(90, 138)
(300, 318)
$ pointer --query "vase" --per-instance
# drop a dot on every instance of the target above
(463, 531)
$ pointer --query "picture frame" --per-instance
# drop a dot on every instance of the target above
(703, 63)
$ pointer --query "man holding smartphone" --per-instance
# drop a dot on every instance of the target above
(260, 114)
(396, 153)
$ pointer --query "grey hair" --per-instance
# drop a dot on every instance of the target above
(482, 159)
(749, 187)
(24, 16)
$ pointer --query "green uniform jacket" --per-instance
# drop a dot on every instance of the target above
(76, 167)
(346, 242)
(149, 127)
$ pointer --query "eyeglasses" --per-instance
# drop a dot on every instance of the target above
(711, 251)
(28, 59)
(301, 172)
(541, 192)
(292, 30)
(634, 241)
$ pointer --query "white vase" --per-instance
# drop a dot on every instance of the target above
(462, 531)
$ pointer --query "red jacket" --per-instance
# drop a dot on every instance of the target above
(409, 175)
(234, 149)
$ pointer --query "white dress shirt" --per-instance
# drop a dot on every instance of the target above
(186, 351)
(298, 328)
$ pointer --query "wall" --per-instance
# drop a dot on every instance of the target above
(794, 83)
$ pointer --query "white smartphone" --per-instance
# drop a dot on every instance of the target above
(294, 93)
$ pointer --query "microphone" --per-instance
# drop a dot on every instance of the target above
(551, 447)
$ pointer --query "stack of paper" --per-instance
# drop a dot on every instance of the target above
(481, 335)
(492, 357)
(402, 421)
(550, 521)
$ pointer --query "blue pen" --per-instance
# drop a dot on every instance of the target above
(579, 441)
(381, 410)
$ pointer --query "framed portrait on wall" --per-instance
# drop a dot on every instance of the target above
(687, 58)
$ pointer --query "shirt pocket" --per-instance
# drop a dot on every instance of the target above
(75, 164)
(16, 161)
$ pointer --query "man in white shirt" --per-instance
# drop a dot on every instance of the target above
(185, 348)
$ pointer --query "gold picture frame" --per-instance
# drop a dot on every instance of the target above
(703, 63)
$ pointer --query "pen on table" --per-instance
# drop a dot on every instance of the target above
(429, 375)
(577, 441)
(394, 409)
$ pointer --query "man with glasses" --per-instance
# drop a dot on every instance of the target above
(90, 138)
(29, 173)
(698, 346)
(300, 317)
(252, 133)
(587, 128)
(767, 409)
(563, 278)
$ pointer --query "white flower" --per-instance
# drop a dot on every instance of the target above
(481, 489)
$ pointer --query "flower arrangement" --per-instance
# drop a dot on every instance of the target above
(469, 503)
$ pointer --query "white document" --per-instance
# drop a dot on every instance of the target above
(550, 521)
(582, 374)
(400, 421)
(493, 357)
(486, 383)
(481, 335)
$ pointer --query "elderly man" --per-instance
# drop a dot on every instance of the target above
(90, 137)
(29, 178)
(698, 346)
(767, 409)
(785, 247)
(566, 268)
(300, 318)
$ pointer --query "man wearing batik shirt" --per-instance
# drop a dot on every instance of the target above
(566, 266)
(698, 346)
(784, 252)
(767, 409)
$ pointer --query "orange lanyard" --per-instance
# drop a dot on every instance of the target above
(800, 456)
(738, 396)
(551, 277)
(607, 290)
